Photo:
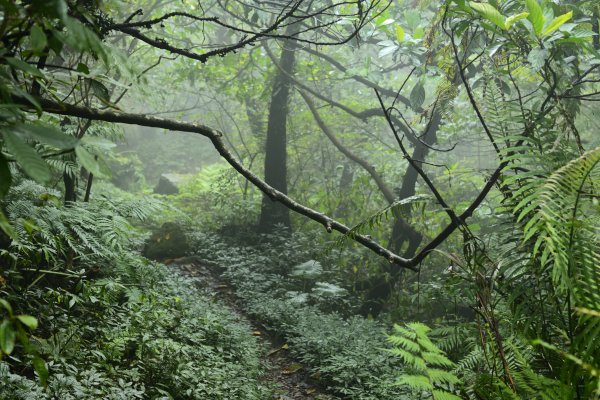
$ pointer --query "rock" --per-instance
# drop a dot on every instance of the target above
(166, 185)
(167, 242)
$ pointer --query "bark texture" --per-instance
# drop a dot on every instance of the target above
(274, 213)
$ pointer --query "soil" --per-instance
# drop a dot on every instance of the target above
(288, 376)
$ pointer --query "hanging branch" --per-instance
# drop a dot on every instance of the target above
(385, 190)
(216, 138)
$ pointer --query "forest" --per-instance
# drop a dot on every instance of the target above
(300, 199)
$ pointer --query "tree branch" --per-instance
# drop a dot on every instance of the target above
(216, 138)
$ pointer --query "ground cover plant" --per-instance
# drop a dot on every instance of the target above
(125, 327)
(404, 192)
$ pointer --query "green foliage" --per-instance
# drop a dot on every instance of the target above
(110, 324)
(15, 328)
(427, 369)
(561, 222)
(343, 353)
(49, 232)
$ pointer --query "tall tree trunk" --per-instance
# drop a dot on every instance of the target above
(274, 213)
(70, 182)
(383, 286)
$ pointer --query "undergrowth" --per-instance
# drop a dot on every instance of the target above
(111, 324)
(279, 284)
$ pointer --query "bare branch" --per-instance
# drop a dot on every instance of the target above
(216, 138)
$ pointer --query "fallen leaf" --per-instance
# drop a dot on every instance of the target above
(293, 368)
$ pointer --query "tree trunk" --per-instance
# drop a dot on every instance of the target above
(70, 188)
(382, 286)
(274, 213)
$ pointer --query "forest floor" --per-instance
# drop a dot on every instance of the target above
(287, 375)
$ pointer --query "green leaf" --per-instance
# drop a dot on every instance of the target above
(7, 337)
(536, 15)
(23, 66)
(557, 23)
(5, 226)
(47, 135)
(413, 18)
(99, 90)
(34, 102)
(399, 33)
(38, 39)
(28, 321)
(417, 96)
(89, 162)
(6, 305)
(27, 157)
(5, 176)
(83, 68)
(50, 8)
(40, 367)
(510, 21)
(418, 33)
(537, 57)
(387, 50)
(81, 38)
(490, 13)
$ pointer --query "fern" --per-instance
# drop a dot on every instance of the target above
(559, 216)
(368, 224)
(427, 366)
(48, 231)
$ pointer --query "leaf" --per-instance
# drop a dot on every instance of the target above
(28, 321)
(557, 23)
(83, 68)
(399, 33)
(47, 135)
(89, 162)
(27, 157)
(413, 18)
(99, 90)
(387, 50)
(417, 96)
(7, 337)
(34, 102)
(6, 305)
(490, 13)
(5, 226)
(81, 38)
(38, 39)
(537, 58)
(510, 21)
(536, 16)
(23, 66)
(418, 33)
(40, 367)
(50, 8)
(5, 176)
(307, 270)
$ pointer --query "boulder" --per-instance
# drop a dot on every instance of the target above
(166, 185)
(168, 242)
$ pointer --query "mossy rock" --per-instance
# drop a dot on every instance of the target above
(169, 241)
(166, 185)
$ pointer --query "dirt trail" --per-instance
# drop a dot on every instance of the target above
(289, 376)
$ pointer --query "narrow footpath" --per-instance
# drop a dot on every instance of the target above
(288, 376)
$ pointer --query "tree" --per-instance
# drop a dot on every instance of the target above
(275, 171)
